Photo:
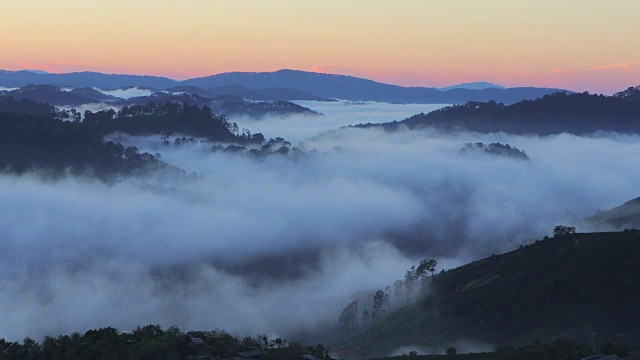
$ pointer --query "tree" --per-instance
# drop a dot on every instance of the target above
(377, 310)
(397, 291)
(426, 266)
(365, 319)
(431, 266)
(386, 300)
(348, 319)
(409, 281)
(319, 351)
(561, 230)
(451, 351)
(422, 268)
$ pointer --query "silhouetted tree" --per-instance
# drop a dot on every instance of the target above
(348, 319)
(365, 319)
(563, 230)
(397, 291)
(377, 310)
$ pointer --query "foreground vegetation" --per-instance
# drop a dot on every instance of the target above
(152, 342)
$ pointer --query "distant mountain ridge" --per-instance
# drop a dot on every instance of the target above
(285, 85)
(478, 85)
(222, 104)
(359, 89)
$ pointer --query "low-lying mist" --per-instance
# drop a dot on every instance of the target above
(279, 244)
(296, 128)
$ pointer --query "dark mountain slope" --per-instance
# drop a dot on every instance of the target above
(268, 94)
(324, 85)
(358, 89)
(56, 96)
(40, 140)
(84, 79)
(621, 217)
(552, 114)
(565, 287)
(24, 106)
(53, 147)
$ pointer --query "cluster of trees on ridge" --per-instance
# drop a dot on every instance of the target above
(272, 146)
(42, 142)
(38, 136)
(404, 291)
(494, 149)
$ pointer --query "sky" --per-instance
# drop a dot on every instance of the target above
(582, 45)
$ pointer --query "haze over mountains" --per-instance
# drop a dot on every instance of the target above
(263, 222)
(284, 85)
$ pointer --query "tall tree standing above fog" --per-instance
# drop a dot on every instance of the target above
(409, 281)
(348, 319)
(377, 311)
(426, 266)
(387, 297)
(365, 318)
(398, 293)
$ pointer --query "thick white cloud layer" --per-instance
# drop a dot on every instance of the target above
(337, 114)
(280, 244)
(127, 93)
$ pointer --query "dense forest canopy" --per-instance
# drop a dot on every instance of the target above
(37, 136)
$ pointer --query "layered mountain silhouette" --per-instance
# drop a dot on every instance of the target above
(283, 85)
(224, 104)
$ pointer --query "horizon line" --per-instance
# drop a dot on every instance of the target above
(44, 72)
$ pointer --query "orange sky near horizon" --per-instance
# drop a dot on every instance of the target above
(573, 44)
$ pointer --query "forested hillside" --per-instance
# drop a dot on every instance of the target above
(36, 136)
(552, 114)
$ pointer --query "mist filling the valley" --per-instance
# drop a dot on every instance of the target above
(280, 244)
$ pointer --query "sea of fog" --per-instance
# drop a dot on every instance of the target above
(336, 114)
(281, 244)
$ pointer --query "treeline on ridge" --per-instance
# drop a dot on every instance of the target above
(575, 113)
(38, 136)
